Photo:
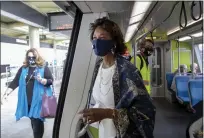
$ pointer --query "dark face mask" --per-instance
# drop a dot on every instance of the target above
(31, 60)
(148, 51)
(102, 47)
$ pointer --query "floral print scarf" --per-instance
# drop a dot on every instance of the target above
(136, 113)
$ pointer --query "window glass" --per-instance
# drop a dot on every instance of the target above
(200, 47)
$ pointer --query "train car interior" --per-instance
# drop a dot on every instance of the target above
(174, 27)
(177, 31)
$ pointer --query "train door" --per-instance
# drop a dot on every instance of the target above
(157, 71)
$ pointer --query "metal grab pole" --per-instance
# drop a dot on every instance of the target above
(135, 53)
(202, 61)
(193, 53)
(134, 46)
(179, 57)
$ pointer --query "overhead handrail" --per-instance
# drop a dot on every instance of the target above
(192, 10)
(172, 9)
(178, 43)
(183, 10)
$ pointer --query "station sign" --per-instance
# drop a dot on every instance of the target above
(60, 21)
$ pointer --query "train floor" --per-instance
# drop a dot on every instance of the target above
(171, 119)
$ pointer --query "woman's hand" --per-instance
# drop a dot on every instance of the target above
(4, 98)
(96, 114)
(5, 95)
(44, 81)
(41, 80)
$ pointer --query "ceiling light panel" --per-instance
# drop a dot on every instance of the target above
(197, 34)
(138, 11)
(140, 7)
(128, 37)
(136, 18)
(131, 29)
(184, 38)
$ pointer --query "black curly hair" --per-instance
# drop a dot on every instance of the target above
(114, 30)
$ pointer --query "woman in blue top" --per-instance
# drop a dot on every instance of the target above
(33, 79)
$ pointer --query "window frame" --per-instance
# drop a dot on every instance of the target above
(199, 57)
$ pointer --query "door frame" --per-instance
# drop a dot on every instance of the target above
(159, 90)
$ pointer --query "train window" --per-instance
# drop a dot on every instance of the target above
(199, 54)
(200, 47)
(156, 68)
(185, 58)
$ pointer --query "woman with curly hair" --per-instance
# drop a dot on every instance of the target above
(123, 108)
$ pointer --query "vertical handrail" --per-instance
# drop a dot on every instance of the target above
(193, 53)
(202, 61)
(133, 52)
(156, 69)
(179, 57)
(135, 48)
(178, 46)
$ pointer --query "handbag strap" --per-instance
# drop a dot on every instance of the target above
(52, 88)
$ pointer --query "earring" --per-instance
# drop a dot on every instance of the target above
(113, 50)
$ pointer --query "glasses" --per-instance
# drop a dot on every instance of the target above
(30, 57)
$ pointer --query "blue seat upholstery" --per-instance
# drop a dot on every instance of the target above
(199, 77)
(169, 79)
(182, 88)
(195, 91)
(189, 74)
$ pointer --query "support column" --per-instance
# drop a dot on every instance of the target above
(34, 37)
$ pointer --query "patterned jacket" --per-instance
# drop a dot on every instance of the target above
(136, 112)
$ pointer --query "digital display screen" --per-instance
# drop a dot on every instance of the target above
(60, 22)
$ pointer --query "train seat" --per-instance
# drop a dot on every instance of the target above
(199, 77)
(189, 74)
(182, 88)
(195, 91)
(169, 79)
